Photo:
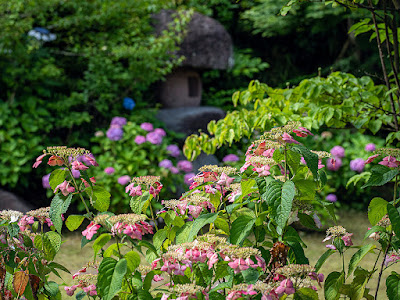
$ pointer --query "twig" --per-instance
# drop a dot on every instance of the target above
(378, 41)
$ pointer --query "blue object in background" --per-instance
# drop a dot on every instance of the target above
(129, 103)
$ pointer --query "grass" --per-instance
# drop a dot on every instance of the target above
(73, 257)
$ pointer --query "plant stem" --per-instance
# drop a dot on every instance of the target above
(120, 256)
(285, 153)
(395, 191)
(378, 41)
(376, 262)
(79, 192)
(152, 216)
(382, 265)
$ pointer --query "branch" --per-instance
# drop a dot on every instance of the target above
(378, 41)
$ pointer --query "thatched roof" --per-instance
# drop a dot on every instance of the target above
(207, 44)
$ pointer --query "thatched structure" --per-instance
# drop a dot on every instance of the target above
(207, 44)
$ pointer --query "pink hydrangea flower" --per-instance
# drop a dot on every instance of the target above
(370, 147)
(109, 170)
(65, 188)
(118, 121)
(165, 163)
(338, 151)
(230, 158)
(157, 278)
(140, 139)
(174, 170)
(188, 178)
(38, 160)
(160, 132)
(70, 290)
(285, 287)
(91, 230)
(46, 181)
(334, 164)
(154, 138)
(147, 126)
(357, 165)
(225, 180)
(288, 139)
(76, 165)
(123, 180)
(302, 132)
(185, 166)
(390, 161)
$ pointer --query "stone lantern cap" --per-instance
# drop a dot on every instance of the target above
(207, 45)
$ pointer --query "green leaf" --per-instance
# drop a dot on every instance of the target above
(376, 210)
(100, 197)
(374, 126)
(241, 228)
(393, 286)
(52, 288)
(280, 197)
(310, 158)
(54, 265)
(57, 177)
(100, 242)
(199, 224)
(298, 251)
(183, 233)
(74, 221)
(380, 175)
(293, 160)
(80, 295)
(222, 224)
(332, 285)
(159, 237)
(140, 203)
(394, 216)
(307, 221)
(247, 187)
(111, 274)
(358, 256)
(305, 294)
(13, 229)
(323, 258)
(133, 260)
(52, 244)
(58, 207)
(221, 270)
(250, 275)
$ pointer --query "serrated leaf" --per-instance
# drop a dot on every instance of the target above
(332, 285)
(100, 242)
(74, 221)
(57, 177)
(305, 294)
(221, 270)
(100, 197)
(393, 286)
(159, 237)
(54, 265)
(358, 256)
(111, 275)
(20, 280)
(133, 260)
(376, 210)
(380, 175)
(58, 207)
(13, 229)
(310, 158)
(183, 233)
(222, 224)
(394, 216)
(323, 258)
(241, 228)
(52, 244)
(200, 222)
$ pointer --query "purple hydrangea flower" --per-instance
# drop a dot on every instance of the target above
(115, 133)
(188, 178)
(160, 131)
(337, 151)
(331, 198)
(370, 147)
(165, 163)
(185, 166)
(123, 180)
(147, 126)
(118, 121)
(76, 173)
(330, 166)
(357, 165)
(230, 157)
(46, 182)
(174, 170)
(173, 150)
(140, 139)
(154, 138)
(109, 170)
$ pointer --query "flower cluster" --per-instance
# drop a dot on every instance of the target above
(116, 132)
(193, 205)
(182, 165)
(340, 233)
(150, 183)
(86, 281)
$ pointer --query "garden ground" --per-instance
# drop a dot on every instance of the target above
(73, 257)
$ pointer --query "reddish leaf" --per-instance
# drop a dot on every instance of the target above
(20, 282)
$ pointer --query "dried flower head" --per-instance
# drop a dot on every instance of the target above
(147, 180)
(40, 213)
(10, 215)
(63, 151)
(322, 154)
(336, 231)
(219, 170)
(388, 152)
(384, 222)
(295, 270)
(188, 288)
(126, 219)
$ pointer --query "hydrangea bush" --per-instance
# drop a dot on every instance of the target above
(128, 149)
(231, 236)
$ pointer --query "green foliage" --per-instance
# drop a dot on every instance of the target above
(100, 53)
(111, 274)
(393, 286)
(334, 101)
